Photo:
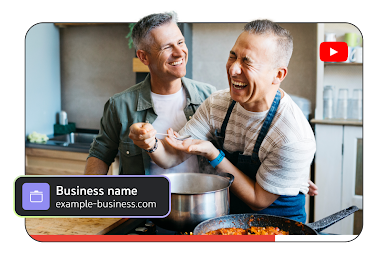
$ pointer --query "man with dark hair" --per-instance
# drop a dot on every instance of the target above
(165, 99)
(283, 41)
(262, 136)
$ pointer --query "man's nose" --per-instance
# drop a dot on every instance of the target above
(235, 69)
(178, 51)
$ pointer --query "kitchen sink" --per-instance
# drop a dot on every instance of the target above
(74, 138)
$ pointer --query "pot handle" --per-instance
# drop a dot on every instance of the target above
(229, 176)
(231, 179)
(332, 219)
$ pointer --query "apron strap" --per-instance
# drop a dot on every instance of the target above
(266, 125)
(226, 119)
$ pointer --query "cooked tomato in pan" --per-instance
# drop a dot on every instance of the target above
(249, 231)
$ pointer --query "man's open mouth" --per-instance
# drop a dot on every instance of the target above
(176, 63)
(238, 85)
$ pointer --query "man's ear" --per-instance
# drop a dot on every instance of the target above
(143, 57)
(280, 76)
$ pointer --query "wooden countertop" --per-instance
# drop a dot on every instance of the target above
(338, 122)
(72, 226)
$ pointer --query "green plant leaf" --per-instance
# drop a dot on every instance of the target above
(130, 42)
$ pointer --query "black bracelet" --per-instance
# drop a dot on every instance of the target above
(154, 148)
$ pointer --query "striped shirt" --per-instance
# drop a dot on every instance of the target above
(286, 152)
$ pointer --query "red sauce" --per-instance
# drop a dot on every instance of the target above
(249, 231)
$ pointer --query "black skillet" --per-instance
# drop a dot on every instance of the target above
(257, 220)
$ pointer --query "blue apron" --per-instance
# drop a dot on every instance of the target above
(292, 207)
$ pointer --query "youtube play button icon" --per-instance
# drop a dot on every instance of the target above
(333, 51)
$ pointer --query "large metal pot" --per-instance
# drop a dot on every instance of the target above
(196, 197)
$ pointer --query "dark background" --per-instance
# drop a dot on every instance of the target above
(156, 189)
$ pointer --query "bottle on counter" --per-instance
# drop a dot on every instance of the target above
(63, 118)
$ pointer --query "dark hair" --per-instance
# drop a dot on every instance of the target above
(141, 30)
(283, 38)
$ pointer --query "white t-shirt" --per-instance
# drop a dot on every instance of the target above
(286, 152)
(170, 111)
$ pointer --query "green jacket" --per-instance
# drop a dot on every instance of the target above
(131, 106)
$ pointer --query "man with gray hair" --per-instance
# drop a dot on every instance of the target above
(262, 136)
(165, 99)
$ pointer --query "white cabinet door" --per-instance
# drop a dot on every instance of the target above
(352, 162)
(328, 172)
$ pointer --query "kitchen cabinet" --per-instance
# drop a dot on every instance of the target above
(352, 178)
(41, 161)
(338, 173)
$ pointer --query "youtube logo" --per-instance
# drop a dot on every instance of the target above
(333, 51)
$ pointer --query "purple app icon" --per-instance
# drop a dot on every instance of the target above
(36, 196)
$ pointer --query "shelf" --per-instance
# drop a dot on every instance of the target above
(342, 64)
(338, 122)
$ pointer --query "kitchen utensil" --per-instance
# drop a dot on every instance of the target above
(330, 37)
(352, 39)
(294, 227)
(178, 138)
(196, 197)
(356, 55)
(328, 102)
(341, 108)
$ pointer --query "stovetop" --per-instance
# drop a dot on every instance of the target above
(142, 227)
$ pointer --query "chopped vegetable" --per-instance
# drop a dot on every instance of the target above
(37, 137)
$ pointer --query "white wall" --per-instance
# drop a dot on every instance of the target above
(43, 89)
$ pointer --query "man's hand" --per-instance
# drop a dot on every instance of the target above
(143, 135)
(193, 146)
(165, 156)
(313, 189)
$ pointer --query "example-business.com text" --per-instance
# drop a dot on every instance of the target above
(105, 204)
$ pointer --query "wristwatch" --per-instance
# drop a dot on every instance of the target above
(218, 159)
(154, 148)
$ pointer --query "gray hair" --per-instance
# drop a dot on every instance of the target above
(141, 31)
(283, 39)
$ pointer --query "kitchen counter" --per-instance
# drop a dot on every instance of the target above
(70, 144)
(51, 145)
(338, 122)
(79, 226)
(64, 154)
(61, 154)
